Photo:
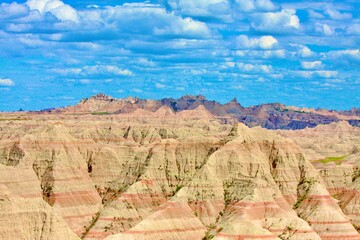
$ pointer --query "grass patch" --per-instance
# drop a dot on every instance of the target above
(100, 113)
(336, 160)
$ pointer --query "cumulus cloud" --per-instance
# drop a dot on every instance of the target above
(105, 69)
(59, 9)
(323, 29)
(312, 65)
(102, 23)
(180, 40)
(348, 54)
(186, 27)
(278, 22)
(264, 42)
(255, 5)
(93, 70)
(145, 62)
(149, 19)
(305, 52)
(280, 53)
(6, 82)
(12, 10)
(327, 73)
(248, 67)
(201, 8)
(304, 74)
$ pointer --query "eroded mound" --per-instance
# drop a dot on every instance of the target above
(181, 176)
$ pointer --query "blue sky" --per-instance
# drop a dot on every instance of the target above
(302, 53)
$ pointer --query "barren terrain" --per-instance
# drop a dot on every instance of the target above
(165, 174)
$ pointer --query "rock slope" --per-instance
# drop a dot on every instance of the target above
(171, 175)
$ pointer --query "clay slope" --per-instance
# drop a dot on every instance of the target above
(332, 140)
(185, 175)
(334, 151)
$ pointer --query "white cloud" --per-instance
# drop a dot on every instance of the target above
(264, 42)
(6, 82)
(93, 70)
(305, 74)
(353, 29)
(137, 90)
(180, 89)
(12, 10)
(67, 71)
(160, 85)
(186, 27)
(336, 15)
(266, 68)
(327, 73)
(145, 62)
(62, 11)
(204, 8)
(85, 81)
(312, 65)
(150, 19)
(305, 52)
(105, 69)
(281, 53)
(352, 54)
(262, 80)
(314, 14)
(255, 5)
(323, 29)
(277, 76)
(230, 64)
(248, 67)
(279, 22)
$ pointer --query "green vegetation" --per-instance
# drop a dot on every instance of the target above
(208, 234)
(100, 113)
(297, 111)
(357, 227)
(336, 160)
(94, 219)
(308, 183)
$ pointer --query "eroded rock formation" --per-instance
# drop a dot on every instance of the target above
(164, 174)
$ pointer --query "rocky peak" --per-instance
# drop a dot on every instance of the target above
(102, 96)
(234, 100)
(131, 99)
(193, 98)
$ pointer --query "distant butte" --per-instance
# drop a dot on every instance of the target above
(270, 116)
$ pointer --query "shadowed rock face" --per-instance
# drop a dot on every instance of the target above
(173, 175)
(11, 156)
(270, 116)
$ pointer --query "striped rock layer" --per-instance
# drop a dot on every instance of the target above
(141, 176)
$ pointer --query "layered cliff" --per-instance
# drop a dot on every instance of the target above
(171, 175)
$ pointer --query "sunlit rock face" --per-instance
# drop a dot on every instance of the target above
(164, 174)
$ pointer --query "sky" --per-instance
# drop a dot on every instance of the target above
(301, 53)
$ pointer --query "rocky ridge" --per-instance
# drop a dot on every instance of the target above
(270, 116)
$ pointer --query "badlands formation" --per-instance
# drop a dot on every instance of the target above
(153, 173)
